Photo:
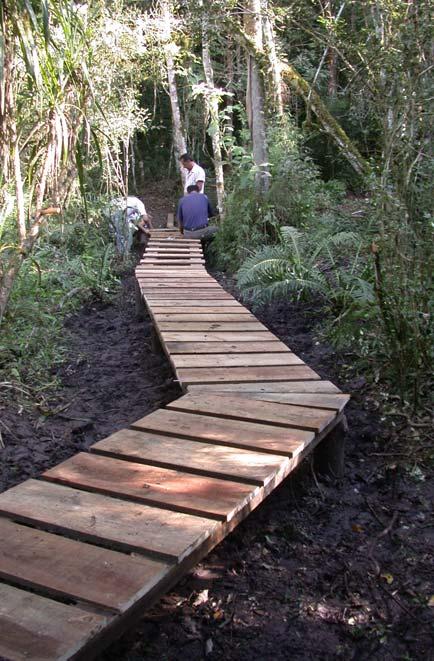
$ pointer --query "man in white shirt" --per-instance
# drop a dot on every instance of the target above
(128, 217)
(195, 174)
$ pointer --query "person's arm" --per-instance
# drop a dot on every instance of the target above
(142, 228)
(200, 178)
(148, 219)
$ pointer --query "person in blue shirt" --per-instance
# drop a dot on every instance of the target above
(194, 210)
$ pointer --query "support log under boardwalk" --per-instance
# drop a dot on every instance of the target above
(170, 487)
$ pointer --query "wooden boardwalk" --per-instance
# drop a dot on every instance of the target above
(97, 539)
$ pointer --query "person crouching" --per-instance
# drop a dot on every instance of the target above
(194, 211)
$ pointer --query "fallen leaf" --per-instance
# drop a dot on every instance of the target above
(431, 601)
(388, 578)
(356, 528)
(209, 646)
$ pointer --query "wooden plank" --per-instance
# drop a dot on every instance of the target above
(220, 326)
(174, 239)
(332, 402)
(39, 629)
(171, 262)
(175, 254)
(169, 489)
(204, 302)
(235, 359)
(170, 222)
(185, 290)
(187, 295)
(270, 387)
(198, 309)
(229, 406)
(188, 375)
(172, 250)
(68, 568)
(175, 258)
(217, 336)
(146, 283)
(177, 317)
(193, 456)
(172, 274)
(269, 345)
(234, 433)
(120, 524)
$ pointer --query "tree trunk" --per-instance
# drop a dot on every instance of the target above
(28, 239)
(214, 125)
(255, 95)
(332, 87)
(179, 141)
(274, 67)
(311, 98)
(230, 87)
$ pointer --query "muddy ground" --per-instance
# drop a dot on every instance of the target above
(319, 571)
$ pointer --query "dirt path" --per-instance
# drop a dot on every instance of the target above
(112, 378)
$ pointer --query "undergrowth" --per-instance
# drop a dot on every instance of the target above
(73, 263)
(373, 271)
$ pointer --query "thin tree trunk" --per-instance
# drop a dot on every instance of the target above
(332, 87)
(255, 95)
(28, 240)
(213, 106)
(332, 58)
(179, 141)
(274, 65)
(230, 87)
(310, 97)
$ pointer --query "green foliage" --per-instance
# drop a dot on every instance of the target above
(73, 263)
(299, 267)
(376, 303)
(296, 195)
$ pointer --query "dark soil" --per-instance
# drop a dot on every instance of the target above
(112, 379)
(319, 571)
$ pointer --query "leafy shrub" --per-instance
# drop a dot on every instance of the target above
(72, 263)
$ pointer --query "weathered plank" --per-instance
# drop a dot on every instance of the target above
(120, 524)
(175, 312)
(218, 336)
(188, 375)
(198, 317)
(187, 295)
(171, 262)
(268, 345)
(202, 283)
(221, 326)
(333, 402)
(195, 457)
(76, 570)
(235, 359)
(175, 276)
(169, 489)
(204, 302)
(235, 433)
(270, 387)
(174, 252)
(229, 406)
(36, 628)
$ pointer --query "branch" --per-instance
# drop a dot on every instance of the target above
(301, 86)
